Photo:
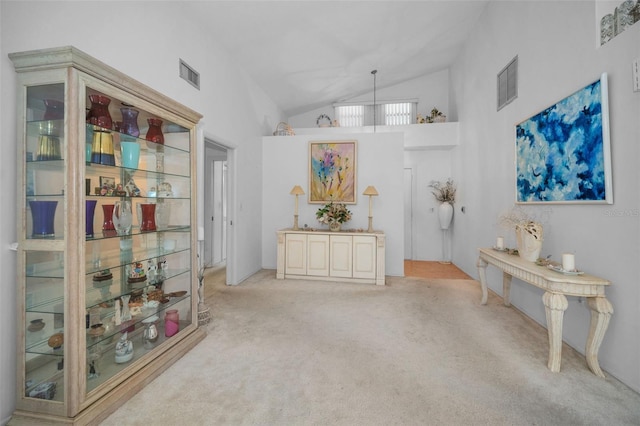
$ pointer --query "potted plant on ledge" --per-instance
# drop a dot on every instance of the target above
(334, 215)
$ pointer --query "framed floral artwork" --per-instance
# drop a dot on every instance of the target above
(332, 171)
(563, 153)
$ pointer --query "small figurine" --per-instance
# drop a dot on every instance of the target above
(151, 270)
(126, 313)
(93, 358)
(132, 189)
(165, 190)
(124, 349)
(136, 273)
(116, 315)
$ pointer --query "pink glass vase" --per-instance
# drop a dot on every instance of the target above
(171, 322)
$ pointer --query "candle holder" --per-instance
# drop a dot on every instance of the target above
(296, 190)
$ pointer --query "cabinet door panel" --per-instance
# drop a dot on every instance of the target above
(318, 255)
(296, 254)
(364, 257)
(341, 256)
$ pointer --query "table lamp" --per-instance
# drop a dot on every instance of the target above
(297, 190)
(371, 192)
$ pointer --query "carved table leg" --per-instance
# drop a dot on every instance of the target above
(506, 289)
(482, 271)
(601, 311)
(555, 305)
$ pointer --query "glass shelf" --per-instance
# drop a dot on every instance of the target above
(135, 230)
(105, 352)
(111, 259)
(53, 305)
(102, 292)
(134, 323)
(41, 347)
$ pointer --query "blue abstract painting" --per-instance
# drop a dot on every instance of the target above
(563, 152)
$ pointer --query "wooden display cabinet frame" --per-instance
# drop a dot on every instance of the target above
(78, 403)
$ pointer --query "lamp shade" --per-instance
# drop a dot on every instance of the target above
(297, 190)
(371, 190)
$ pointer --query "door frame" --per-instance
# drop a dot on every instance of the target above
(231, 255)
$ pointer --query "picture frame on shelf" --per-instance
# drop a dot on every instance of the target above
(332, 172)
(107, 182)
(563, 153)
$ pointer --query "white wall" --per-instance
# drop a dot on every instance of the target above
(429, 153)
(146, 47)
(379, 163)
(558, 54)
(430, 90)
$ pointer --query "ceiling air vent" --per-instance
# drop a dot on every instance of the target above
(192, 76)
(508, 84)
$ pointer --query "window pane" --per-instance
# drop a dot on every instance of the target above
(397, 114)
(350, 115)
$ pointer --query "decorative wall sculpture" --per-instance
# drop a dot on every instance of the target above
(625, 15)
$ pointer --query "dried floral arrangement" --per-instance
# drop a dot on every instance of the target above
(333, 213)
(444, 191)
(517, 218)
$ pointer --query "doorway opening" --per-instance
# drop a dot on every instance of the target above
(216, 194)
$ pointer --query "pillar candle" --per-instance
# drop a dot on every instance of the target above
(500, 243)
(568, 262)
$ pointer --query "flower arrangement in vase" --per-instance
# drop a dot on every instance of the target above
(445, 194)
(529, 232)
(334, 215)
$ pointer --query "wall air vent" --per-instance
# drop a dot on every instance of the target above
(189, 74)
(508, 84)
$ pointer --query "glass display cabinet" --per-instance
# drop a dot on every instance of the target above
(107, 286)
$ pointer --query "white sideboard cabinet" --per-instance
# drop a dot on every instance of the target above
(332, 256)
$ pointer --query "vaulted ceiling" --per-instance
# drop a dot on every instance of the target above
(306, 54)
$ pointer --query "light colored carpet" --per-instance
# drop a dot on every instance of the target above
(414, 352)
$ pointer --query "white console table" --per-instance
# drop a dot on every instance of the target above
(557, 286)
(332, 256)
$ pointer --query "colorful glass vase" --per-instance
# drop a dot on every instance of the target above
(99, 113)
(54, 109)
(107, 211)
(171, 322)
(154, 133)
(129, 123)
(102, 149)
(89, 215)
(43, 215)
(148, 213)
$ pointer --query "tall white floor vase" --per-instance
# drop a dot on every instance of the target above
(445, 215)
